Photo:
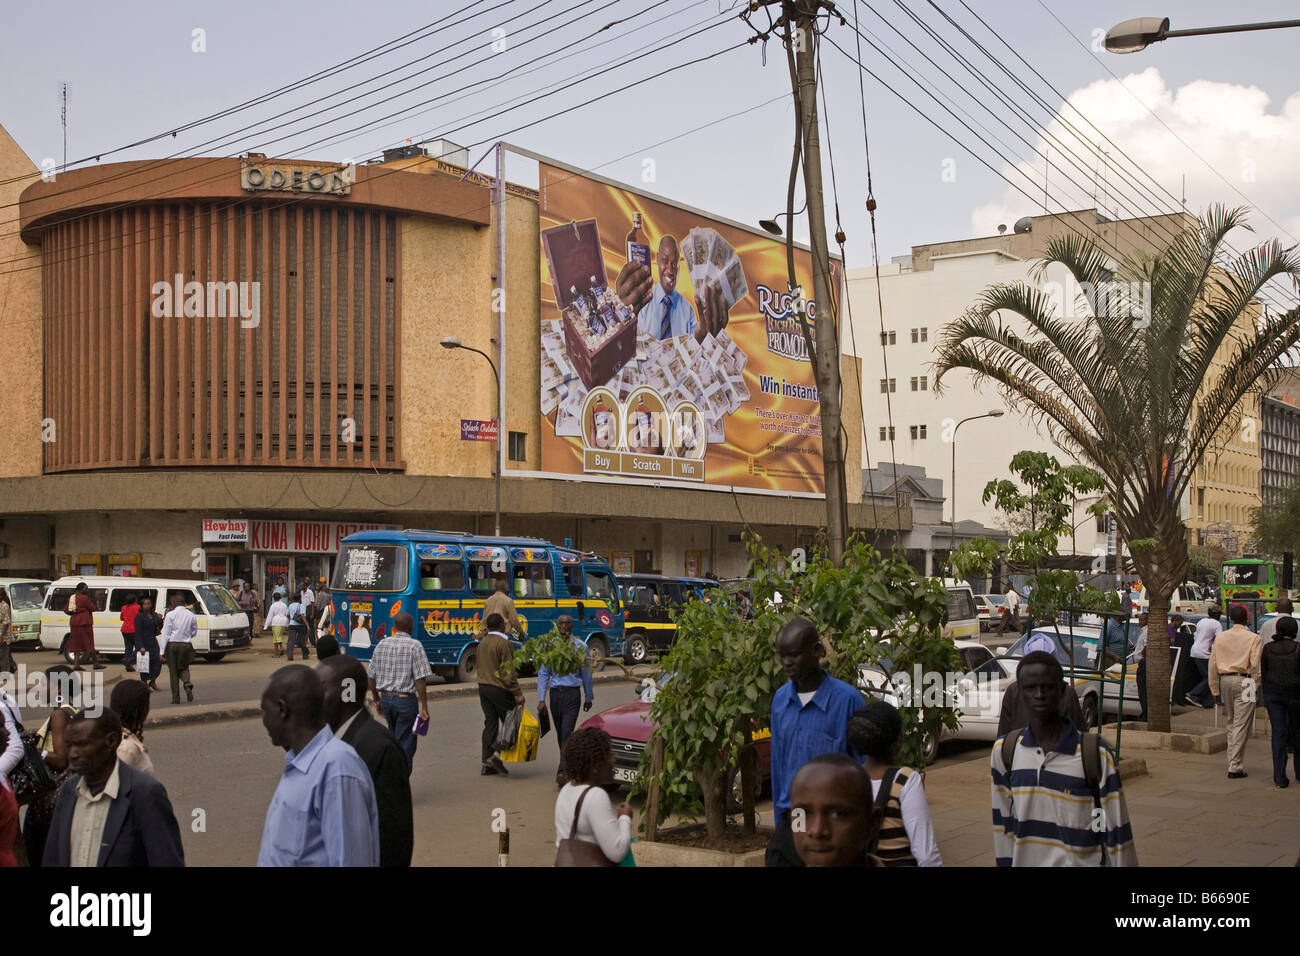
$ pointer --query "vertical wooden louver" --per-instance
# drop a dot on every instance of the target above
(125, 387)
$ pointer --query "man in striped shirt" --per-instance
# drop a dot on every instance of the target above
(1045, 813)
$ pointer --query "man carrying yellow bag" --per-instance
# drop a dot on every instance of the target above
(498, 692)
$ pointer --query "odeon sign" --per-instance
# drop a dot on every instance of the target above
(255, 177)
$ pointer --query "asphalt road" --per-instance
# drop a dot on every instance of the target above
(229, 770)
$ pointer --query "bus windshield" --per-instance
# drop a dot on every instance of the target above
(370, 567)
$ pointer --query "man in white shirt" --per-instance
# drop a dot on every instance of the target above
(1267, 629)
(1011, 611)
(179, 629)
(1206, 630)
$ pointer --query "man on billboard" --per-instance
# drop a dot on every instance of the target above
(662, 311)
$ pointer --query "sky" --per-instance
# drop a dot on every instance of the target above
(1223, 111)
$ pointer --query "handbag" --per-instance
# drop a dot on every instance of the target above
(575, 852)
(31, 776)
(509, 731)
(143, 663)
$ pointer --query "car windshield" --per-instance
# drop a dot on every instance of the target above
(218, 599)
(27, 597)
(995, 599)
(1085, 647)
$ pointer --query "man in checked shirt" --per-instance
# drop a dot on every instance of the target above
(399, 669)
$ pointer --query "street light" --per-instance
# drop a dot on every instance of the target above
(774, 227)
(1131, 36)
(451, 342)
(952, 539)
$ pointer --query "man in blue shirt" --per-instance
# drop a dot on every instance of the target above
(323, 812)
(564, 693)
(666, 313)
(810, 717)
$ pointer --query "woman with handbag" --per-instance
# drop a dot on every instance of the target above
(588, 829)
(147, 626)
(65, 688)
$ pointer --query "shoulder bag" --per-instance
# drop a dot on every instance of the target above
(575, 852)
(31, 776)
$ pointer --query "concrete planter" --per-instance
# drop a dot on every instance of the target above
(1137, 737)
(668, 854)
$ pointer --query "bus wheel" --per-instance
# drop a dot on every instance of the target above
(637, 650)
(597, 651)
(467, 668)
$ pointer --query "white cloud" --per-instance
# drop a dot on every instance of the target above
(1228, 125)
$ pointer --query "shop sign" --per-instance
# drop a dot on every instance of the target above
(474, 430)
(225, 530)
(309, 537)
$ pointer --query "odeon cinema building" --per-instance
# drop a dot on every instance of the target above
(220, 366)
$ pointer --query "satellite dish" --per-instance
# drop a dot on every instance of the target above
(1002, 229)
(1024, 224)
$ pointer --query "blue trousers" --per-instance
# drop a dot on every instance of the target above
(1201, 692)
(1284, 723)
(400, 712)
(565, 702)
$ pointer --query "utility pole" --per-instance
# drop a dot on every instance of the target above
(800, 17)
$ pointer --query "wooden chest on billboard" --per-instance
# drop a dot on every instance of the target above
(574, 258)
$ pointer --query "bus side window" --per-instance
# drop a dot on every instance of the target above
(573, 577)
(533, 581)
(600, 586)
(481, 577)
(442, 576)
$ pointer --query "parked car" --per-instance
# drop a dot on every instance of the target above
(630, 727)
(26, 595)
(1188, 598)
(978, 714)
(990, 610)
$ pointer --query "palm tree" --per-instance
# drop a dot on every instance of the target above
(1142, 382)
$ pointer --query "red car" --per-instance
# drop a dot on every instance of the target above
(630, 727)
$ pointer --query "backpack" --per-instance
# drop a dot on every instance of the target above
(1090, 747)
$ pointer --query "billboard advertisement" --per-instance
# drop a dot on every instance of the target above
(669, 348)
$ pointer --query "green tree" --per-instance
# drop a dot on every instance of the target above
(1145, 377)
(724, 670)
(1275, 526)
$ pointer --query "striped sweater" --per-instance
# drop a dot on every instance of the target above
(1043, 813)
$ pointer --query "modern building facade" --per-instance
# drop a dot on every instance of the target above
(230, 363)
(925, 291)
(1279, 443)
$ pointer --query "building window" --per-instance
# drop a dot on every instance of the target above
(1200, 498)
(1101, 524)
(924, 334)
(517, 452)
(893, 384)
(888, 385)
(917, 432)
(888, 338)
(915, 334)
(923, 383)
(914, 383)
(882, 433)
(887, 434)
(922, 431)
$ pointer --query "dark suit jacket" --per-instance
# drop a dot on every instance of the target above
(386, 762)
(141, 829)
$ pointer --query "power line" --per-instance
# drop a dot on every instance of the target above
(618, 65)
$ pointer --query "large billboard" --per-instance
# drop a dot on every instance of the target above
(669, 348)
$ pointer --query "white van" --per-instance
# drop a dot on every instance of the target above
(223, 625)
(962, 618)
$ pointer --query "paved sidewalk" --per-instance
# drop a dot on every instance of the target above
(1184, 810)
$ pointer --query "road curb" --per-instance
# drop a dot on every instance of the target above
(242, 709)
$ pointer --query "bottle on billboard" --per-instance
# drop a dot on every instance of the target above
(643, 423)
(604, 424)
(595, 318)
(637, 248)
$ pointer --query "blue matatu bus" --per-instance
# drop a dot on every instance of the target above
(442, 578)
